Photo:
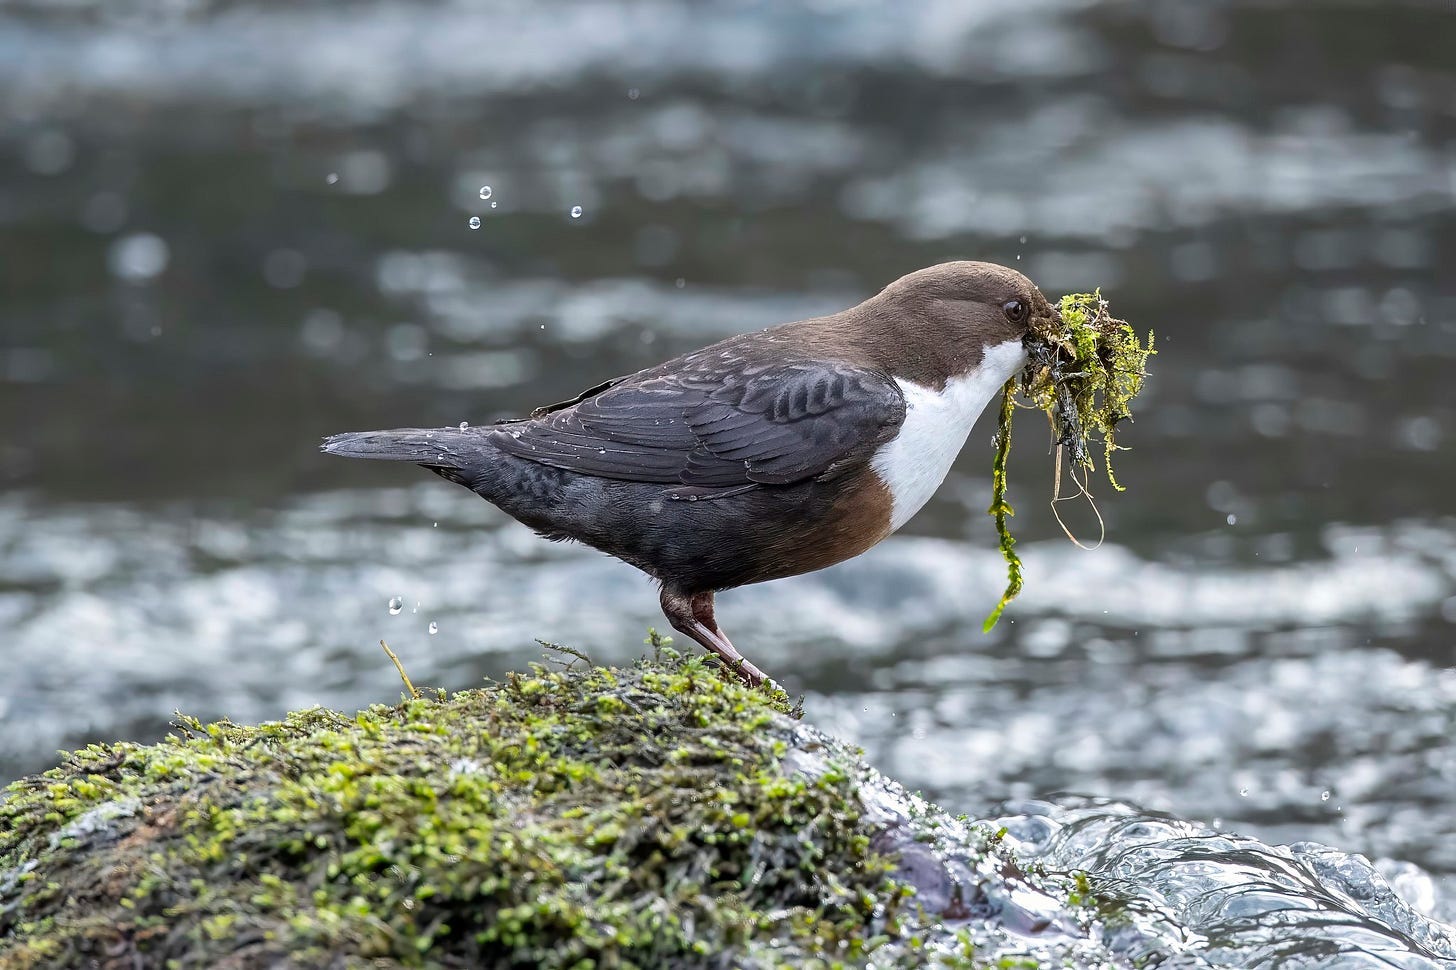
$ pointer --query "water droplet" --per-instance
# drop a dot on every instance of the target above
(1243, 793)
(485, 191)
(680, 282)
(434, 628)
(475, 222)
(1324, 796)
(464, 425)
(576, 212)
(1232, 518)
(492, 205)
(396, 603)
(332, 178)
(1023, 240)
(633, 94)
(138, 257)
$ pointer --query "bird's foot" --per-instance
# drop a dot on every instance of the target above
(693, 615)
(732, 659)
(714, 639)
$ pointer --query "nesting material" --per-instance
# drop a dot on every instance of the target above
(1084, 374)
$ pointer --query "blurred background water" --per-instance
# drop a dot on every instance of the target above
(228, 228)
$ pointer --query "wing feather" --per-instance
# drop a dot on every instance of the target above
(717, 420)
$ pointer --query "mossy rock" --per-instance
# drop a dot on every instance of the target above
(662, 815)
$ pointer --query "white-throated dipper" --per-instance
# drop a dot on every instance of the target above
(764, 455)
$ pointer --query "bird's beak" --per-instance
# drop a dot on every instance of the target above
(1056, 314)
(1040, 328)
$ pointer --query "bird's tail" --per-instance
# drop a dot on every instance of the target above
(438, 447)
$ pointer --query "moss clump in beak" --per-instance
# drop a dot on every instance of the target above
(1083, 370)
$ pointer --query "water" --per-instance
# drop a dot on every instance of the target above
(1234, 901)
(202, 271)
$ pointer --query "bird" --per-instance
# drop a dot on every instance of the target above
(765, 455)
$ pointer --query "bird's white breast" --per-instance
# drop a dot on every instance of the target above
(936, 425)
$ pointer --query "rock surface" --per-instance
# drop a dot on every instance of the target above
(662, 815)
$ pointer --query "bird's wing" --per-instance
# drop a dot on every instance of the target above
(715, 420)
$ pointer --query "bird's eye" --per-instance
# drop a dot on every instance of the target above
(1015, 311)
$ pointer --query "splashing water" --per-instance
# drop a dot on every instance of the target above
(1234, 900)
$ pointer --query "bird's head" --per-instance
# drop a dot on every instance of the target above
(945, 318)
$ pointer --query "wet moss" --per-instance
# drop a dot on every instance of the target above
(1001, 509)
(1084, 375)
(1083, 371)
(579, 817)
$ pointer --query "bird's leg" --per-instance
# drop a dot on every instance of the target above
(693, 615)
(703, 614)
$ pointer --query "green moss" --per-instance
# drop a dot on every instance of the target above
(563, 818)
(1084, 372)
(659, 815)
(1000, 509)
(1085, 376)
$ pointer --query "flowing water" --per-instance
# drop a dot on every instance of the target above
(229, 228)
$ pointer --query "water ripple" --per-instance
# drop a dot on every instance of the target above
(1253, 904)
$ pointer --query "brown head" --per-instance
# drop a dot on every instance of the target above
(935, 323)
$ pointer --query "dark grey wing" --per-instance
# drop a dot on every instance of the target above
(589, 392)
(717, 421)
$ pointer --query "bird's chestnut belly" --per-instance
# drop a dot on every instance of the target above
(767, 533)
